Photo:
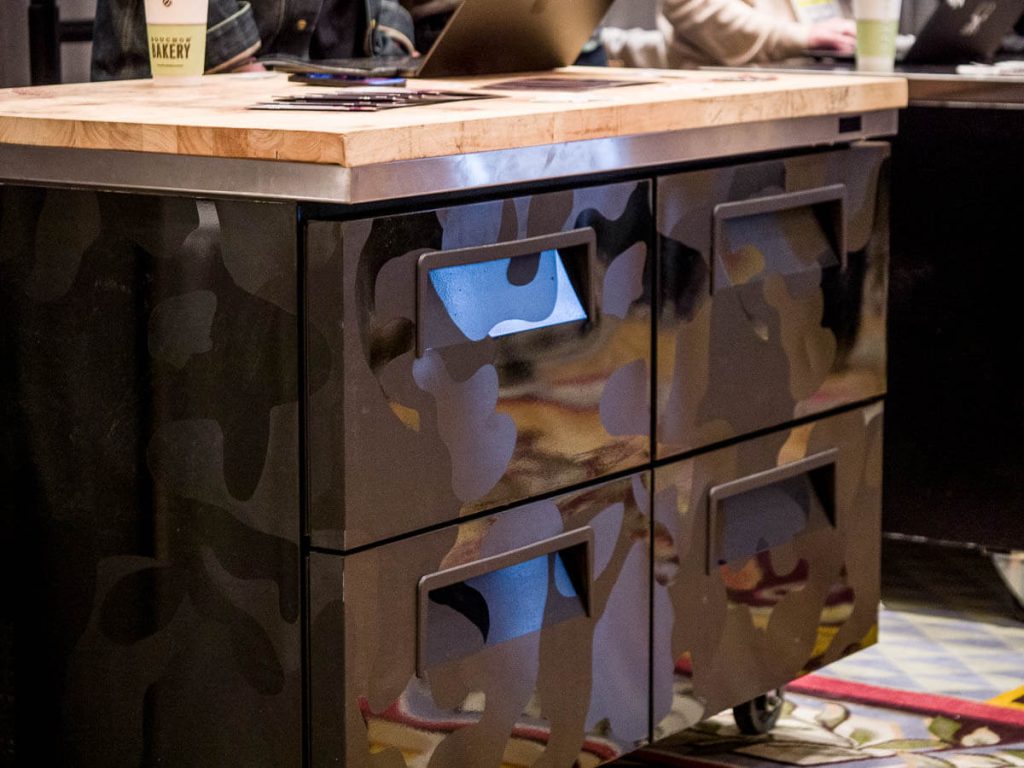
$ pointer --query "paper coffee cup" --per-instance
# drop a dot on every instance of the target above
(177, 39)
(878, 23)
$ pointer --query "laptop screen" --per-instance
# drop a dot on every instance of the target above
(971, 31)
(532, 36)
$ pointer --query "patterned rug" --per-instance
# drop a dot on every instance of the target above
(945, 654)
(827, 721)
(943, 688)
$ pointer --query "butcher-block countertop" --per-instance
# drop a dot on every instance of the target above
(211, 120)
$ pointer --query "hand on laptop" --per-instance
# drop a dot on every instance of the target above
(836, 34)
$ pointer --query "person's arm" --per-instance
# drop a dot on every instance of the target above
(834, 35)
(119, 48)
(635, 47)
(731, 32)
(232, 37)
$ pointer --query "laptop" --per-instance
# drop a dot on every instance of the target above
(958, 31)
(963, 31)
(482, 37)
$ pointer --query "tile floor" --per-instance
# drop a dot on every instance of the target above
(918, 651)
(948, 625)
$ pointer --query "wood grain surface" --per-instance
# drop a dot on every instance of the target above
(211, 119)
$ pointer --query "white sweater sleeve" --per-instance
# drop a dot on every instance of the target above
(636, 47)
(732, 32)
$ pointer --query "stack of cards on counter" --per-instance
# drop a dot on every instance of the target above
(365, 99)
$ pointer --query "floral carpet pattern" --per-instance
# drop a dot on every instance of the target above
(826, 721)
(943, 688)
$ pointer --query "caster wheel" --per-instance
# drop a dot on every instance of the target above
(759, 715)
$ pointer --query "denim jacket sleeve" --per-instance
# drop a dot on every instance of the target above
(391, 31)
(119, 37)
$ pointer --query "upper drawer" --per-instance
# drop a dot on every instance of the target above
(773, 293)
(470, 357)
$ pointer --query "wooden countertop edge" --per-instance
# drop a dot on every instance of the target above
(619, 120)
(197, 140)
(474, 128)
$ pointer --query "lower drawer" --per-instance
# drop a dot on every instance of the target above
(492, 642)
(766, 563)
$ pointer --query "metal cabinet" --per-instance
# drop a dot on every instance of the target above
(387, 485)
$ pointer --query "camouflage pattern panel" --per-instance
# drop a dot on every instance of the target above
(772, 297)
(153, 361)
(766, 563)
(479, 355)
(516, 639)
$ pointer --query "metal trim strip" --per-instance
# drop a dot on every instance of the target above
(316, 183)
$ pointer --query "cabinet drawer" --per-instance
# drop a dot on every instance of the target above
(517, 634)
(766, 563)
(773, 293)
(471, 357)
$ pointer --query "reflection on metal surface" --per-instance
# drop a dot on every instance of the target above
(766, 517)
(782, 234)
(463, 609)
(797, 595)
(777, 310)
(499, 606)
(500, 288)
(769, 508)
(550, 298)
(477, 420)
(155, 358)
(519, 670)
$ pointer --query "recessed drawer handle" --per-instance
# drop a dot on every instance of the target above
(465, 609)
(778, 234)
(768, 509)
(497, 290)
